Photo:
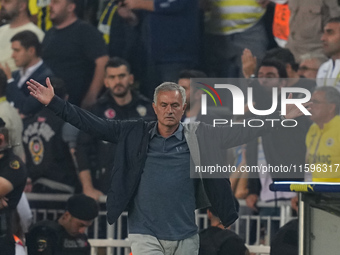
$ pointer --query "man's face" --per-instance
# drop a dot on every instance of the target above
(269, 78)
(21, 56)
(321, 110)
(331, 39)
(169, 108)
(75, 227)
(9, 9)
(59, 10)
(118, 80)
(308, 68)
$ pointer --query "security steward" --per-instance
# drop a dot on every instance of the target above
(12, 183)
(67, 235)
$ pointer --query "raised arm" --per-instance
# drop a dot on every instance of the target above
(102, 129)
(249, 63)
(228, 135)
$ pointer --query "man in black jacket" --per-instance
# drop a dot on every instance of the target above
(151, 177)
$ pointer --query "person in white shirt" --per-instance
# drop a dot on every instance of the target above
(16, 14)
(329, 72)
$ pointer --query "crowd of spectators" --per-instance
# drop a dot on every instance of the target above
(108, 56)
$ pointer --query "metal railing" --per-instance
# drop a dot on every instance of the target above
(113, 237)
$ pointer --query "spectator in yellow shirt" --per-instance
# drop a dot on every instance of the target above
(323, 137)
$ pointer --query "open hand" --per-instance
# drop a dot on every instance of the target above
(43, 94)
(249, 63)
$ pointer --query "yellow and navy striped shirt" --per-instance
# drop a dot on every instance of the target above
(41, 9)
(232, 16)
(105, 21)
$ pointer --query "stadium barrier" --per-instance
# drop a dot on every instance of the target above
(113, 238)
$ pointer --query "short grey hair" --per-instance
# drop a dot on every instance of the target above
(169, 86)
(332, 96)
(321, 58)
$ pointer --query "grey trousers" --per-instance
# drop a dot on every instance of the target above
(150, 245)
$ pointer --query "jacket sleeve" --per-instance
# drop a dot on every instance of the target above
(107, 130)
(254, 184)
(85, 144)
(222, 199)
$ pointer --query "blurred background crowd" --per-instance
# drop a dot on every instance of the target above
(107, 56)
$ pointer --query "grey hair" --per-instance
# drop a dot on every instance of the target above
(169, 86)
(332, 96)
(321, 58)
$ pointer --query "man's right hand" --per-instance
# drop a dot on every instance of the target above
(251, 201)
(43, 94)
